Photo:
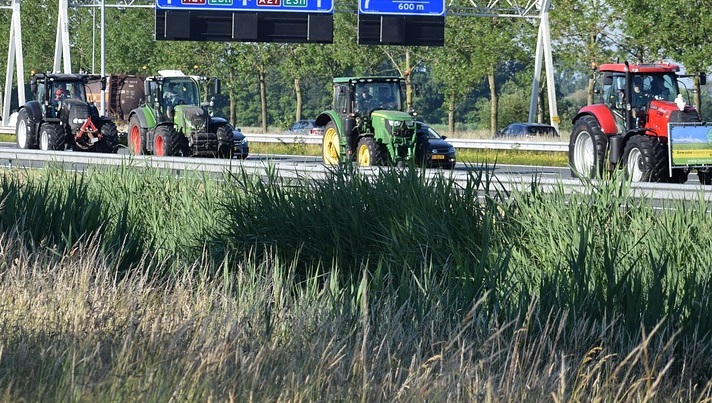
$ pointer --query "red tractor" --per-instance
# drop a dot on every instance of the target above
(643, 125)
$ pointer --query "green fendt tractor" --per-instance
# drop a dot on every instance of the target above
(368, 123)
(169, 121)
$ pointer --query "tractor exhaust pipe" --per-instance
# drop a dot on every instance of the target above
(628, 91)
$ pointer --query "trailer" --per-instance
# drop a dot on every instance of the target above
(123, 93)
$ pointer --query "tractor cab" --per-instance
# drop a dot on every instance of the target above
(170, 90)
(638, 97)
(51, 90)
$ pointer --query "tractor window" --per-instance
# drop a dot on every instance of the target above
(181, 91)
(340, 98)
(378, 95)
(663, 87)
(389, 96)
(41, 92)
(76, 90)
(363, 92)
(613, 93)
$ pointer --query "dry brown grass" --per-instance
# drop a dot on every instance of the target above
(71, 331)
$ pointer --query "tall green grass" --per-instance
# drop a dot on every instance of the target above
(138, 284)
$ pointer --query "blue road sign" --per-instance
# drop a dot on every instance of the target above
(402, 7)
(303, 6)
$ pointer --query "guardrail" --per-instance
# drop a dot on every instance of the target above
(524, 145)
(508, 182)
(4, 129)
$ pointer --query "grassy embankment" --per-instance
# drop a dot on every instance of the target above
(137, 285)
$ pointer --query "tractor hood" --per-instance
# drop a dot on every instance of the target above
(190, 117)
(391, 115)
(74, 112)
(662, 113)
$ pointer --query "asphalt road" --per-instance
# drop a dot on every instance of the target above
(304, 168)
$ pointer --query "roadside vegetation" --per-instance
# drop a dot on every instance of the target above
(141, 285)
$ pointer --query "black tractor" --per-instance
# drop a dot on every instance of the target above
(60, 117)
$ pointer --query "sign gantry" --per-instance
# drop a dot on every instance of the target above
(294, 6)
(385, 17)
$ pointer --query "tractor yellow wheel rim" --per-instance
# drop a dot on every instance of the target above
(364, 156)
(331, 146)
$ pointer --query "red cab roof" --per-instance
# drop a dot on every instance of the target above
(641, 68)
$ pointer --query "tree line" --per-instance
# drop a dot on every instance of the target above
(480, 79)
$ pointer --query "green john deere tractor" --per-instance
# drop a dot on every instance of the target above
(368, 123)
(169, 121)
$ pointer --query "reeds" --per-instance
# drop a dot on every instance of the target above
(399, 287)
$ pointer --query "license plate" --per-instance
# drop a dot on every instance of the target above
(438, 157)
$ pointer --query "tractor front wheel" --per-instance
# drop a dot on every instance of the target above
(137, 137)
(587, 148)
(52, 137)
(225, 141)
(645, 159)
(24, 135)
(109, 142)
(166, 142)
(705, 176)
(331, 146)
(368, 153)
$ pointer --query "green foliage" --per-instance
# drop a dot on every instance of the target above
(598, 253)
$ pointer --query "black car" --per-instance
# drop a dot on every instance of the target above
(527, 130)
(432, 150)
(240, 145)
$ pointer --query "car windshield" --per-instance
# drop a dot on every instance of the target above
(541, 131)
(432, 134)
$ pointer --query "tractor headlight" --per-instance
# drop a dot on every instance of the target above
(395, 123)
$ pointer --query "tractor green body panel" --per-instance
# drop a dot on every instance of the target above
(330, 116)
(145, 116)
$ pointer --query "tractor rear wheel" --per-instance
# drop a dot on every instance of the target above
(587, 148)
(331, 146)
(52, 137)
(368, 153)
(137, 137)
(109, 142)
(645, 159)
(24, 135)
(166, 141)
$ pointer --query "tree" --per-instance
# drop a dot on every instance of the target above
(671, 30)
(301, 62)
(580, 35)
